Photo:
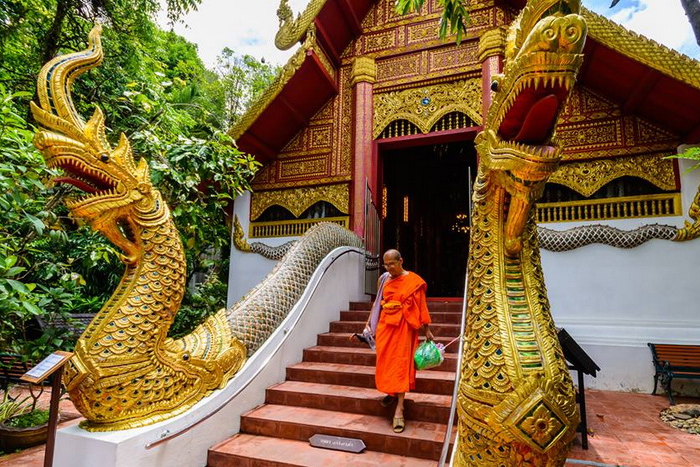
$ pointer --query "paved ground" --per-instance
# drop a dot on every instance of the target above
(625, 432)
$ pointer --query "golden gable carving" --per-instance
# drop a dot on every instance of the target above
(426, 105)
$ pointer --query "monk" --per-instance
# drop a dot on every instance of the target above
(403, 312)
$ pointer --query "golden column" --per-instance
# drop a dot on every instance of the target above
(364, 74)
(491, 49)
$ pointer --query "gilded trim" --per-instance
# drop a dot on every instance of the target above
(325, 61)
(299, 200)
(239, 240)
(588, 177)
(426, 105)
(292, 31)
(292, 228)
(301, 183)
(642, 49)
(691, 231)
(492, 43)
(364, 70)
(628, 207)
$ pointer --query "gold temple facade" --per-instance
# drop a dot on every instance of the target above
(396, 84)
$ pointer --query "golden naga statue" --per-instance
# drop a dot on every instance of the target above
(517, 403)
(126, 372)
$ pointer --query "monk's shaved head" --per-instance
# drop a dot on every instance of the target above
(392, 255)
(393, 263)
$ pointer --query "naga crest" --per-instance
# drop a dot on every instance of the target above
(543, 56)
(117, 193)
(126, 371)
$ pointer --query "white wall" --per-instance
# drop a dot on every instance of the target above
(248, 269)
(613, 301)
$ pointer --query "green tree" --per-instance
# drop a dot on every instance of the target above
(454, 16)
(241, 80)
(153, 87)
(26, 205)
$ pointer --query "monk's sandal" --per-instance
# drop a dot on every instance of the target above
(399, 424)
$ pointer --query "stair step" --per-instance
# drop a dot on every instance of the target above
(428, 381)
(440, 317)
(433, 305)
(244, 450)
(419, 406)
(360, 356)
(333, 392)
(343, 339)
(438, 329)
(419, 439)
(437, 306)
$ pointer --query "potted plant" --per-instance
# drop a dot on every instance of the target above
(9, 407)
(26, 425)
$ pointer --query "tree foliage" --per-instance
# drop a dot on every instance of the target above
(153, 87)
(455, 16)
(242, 80)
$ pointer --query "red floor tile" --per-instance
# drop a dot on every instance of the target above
(627, 432)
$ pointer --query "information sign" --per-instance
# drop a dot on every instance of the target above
(337, 443)
(46, 367)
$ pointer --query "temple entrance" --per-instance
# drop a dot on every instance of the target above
(427, 199)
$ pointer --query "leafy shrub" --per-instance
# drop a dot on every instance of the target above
(36, 417)
(208, 298)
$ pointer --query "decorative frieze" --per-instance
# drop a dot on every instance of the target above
(299, 200)
(590, 176)
(424, 106)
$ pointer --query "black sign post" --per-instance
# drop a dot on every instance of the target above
(50, 366)
(582, 363)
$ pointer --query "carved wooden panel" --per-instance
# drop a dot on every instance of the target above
(592, 127)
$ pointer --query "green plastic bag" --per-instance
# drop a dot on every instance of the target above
(428, 355)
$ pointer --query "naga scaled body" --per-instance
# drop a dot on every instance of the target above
(516, 399)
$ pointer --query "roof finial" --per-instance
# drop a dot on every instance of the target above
(284, 12)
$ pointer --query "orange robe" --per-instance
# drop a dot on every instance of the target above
(404, 311)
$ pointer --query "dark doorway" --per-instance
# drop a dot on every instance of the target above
(427, 206)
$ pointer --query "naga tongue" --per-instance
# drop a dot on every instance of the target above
(76, 183)
(539, 121)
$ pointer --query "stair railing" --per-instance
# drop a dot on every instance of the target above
(453, 405)
(276, 340)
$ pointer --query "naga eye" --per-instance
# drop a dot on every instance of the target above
(104, 157)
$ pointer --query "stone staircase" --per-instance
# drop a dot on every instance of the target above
(331, 392)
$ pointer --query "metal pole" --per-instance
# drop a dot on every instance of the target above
(450, 422)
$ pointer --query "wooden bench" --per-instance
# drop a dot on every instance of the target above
(11, 368)
(674, 361)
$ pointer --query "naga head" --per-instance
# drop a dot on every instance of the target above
(543, 56)
(117, 194)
